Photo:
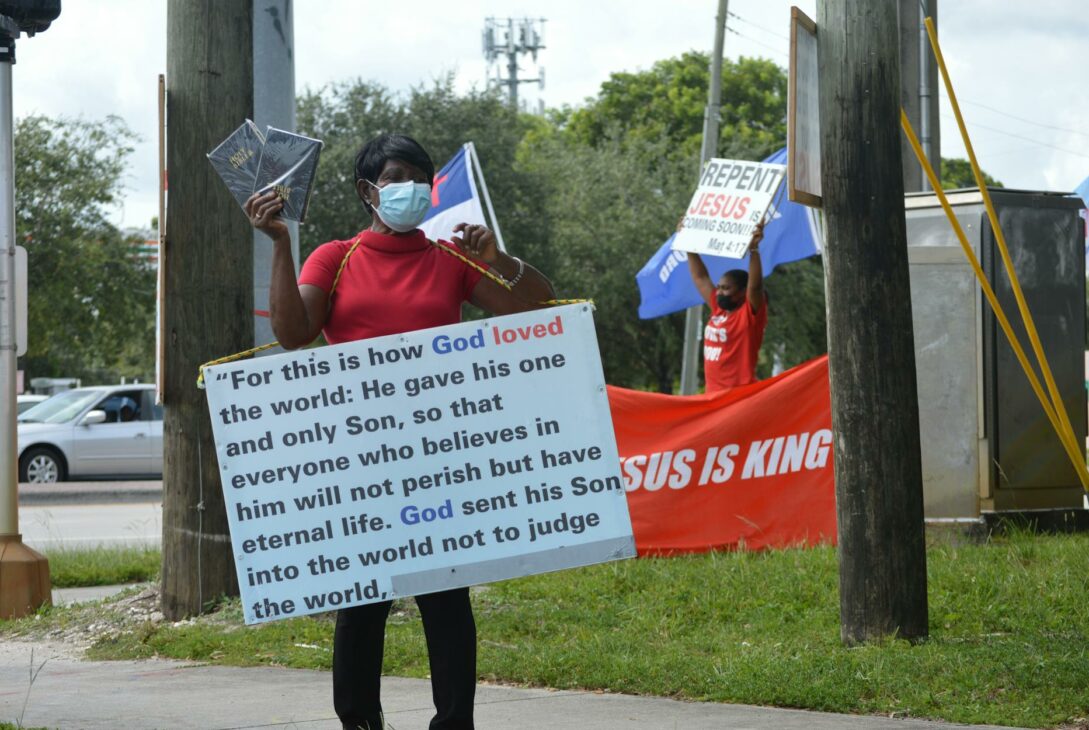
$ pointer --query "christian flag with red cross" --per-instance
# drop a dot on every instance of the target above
(454, 198)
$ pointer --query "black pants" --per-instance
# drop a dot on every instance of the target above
(451, 650)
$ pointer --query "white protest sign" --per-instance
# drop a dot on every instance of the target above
(418, 462)
(732, 197)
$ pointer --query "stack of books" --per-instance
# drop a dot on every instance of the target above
(250, 162)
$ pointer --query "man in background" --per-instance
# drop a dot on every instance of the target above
(739, 316)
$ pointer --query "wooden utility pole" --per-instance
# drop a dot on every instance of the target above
(871, 354)
(208, 287)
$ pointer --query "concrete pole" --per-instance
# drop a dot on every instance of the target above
(24, 573)
(693, 317)
(273, 105)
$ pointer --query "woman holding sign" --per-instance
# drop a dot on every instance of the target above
(391, 279)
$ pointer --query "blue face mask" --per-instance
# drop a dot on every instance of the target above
(402, 206)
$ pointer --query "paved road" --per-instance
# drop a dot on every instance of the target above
(89, 514)
(53, 526)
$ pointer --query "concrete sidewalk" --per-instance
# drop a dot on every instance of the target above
(70, 693)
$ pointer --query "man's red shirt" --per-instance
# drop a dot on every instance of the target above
(731, 344)
(391, 284)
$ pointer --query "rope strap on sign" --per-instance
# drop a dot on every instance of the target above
(501, 281)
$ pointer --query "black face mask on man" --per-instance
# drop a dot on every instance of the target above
(724, 302)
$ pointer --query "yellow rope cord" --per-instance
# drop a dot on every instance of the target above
(1069, 444)
(1063, 426)
(343, 263)
(499, 279)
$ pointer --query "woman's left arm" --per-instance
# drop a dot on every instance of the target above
(529, 287)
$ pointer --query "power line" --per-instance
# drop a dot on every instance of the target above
(1018, 136)
(750, 39)
(779, 52)
(1026, 121)
(735, 16)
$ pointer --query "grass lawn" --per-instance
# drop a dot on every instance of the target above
(102, 566)
(1009, 634)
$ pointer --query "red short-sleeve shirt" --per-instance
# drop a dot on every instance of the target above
(391, 284)
(731, 345)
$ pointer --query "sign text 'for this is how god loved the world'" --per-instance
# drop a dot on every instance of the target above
(414, 463)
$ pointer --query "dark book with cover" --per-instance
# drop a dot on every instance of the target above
(236, 158)
(287, 165)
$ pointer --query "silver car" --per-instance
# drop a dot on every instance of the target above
(92, 433)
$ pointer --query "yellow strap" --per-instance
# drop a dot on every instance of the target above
(499, 279)
(344, 262)
(1069, 445)
(1063, 427)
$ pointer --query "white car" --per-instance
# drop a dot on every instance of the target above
(26, 401)
(92, 433)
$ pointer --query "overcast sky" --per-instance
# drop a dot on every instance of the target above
(1027, 62)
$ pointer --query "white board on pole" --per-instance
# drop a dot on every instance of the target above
(418, 462)
(803, 113)
(731, 198)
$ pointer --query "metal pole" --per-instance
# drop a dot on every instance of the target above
(487, 198)
(926, 10)
(24, 573)
(9, 474)
(273, 105)
(512, 64)
(693, 320)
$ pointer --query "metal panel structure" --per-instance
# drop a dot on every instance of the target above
(1029, 468)
(986, 443)
(945, 302)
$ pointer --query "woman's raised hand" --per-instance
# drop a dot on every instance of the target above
(263, 211)
(477, 241)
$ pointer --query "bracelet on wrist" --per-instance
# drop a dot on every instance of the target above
(521, 271)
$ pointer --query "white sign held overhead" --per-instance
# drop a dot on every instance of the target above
(419, 462)
(732, 197)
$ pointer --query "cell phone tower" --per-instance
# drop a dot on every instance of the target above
(504, 40)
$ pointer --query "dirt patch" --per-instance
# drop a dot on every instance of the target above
(78, 626)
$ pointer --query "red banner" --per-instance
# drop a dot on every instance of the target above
(749, 467)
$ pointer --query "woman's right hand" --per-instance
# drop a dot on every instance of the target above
(263, 211)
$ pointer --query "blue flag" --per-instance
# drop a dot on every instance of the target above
(454, 198)
(792, 233)
(1082, 190)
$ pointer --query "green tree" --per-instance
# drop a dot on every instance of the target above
(957, 173)
(668, 101)
(655, 118)
(797, 330)
(345, 116)
(585, 194)
(608, 210)
(91, 297)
